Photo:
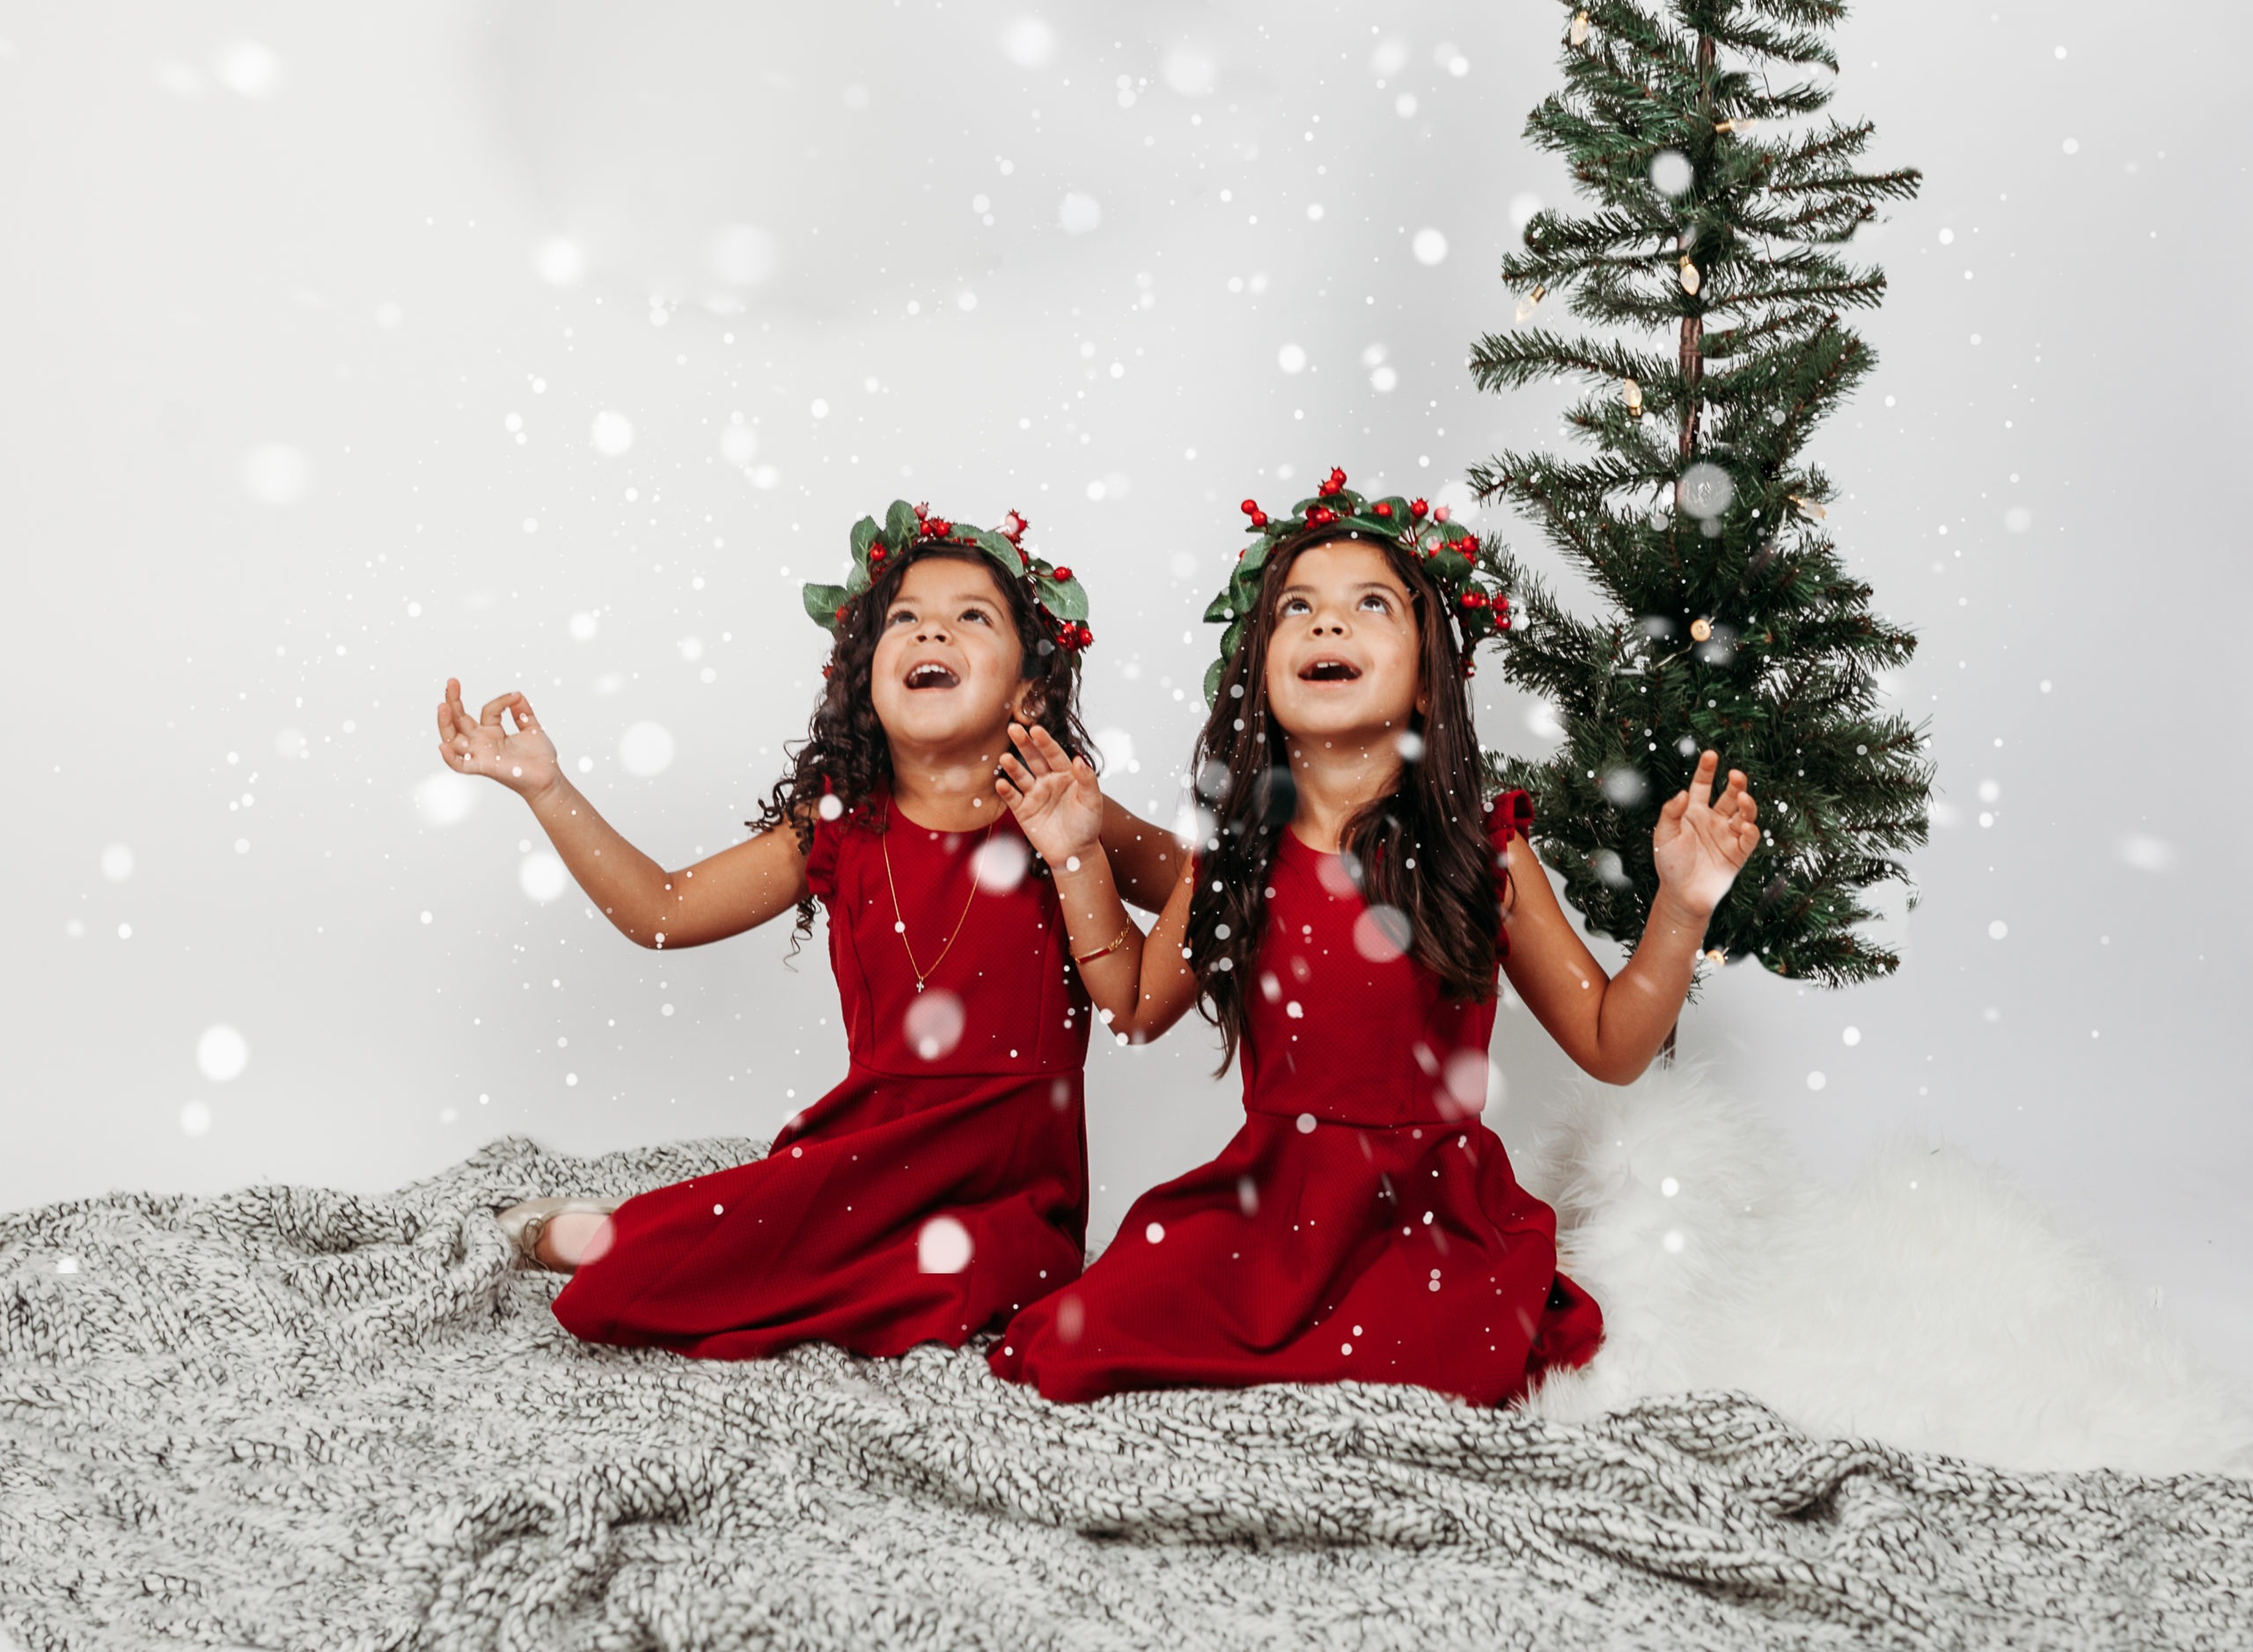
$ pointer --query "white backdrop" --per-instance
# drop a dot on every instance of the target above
(552, 344)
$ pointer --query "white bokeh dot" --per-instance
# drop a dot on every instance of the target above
(222, 1053)
(612, 433)
(543, 876)
(941, 1246)
(645, 749)
(1429, 245)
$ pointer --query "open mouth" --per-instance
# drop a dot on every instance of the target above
(1328, 671)
(931, 674)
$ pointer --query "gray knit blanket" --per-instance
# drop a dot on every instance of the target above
(289, 1417)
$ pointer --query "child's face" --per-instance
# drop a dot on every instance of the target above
(1343, 653)
(946, 665)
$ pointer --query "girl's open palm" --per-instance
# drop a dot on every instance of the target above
(1054, 794)
(524, 761)
(1699, 845)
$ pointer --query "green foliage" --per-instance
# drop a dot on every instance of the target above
(1736, 375)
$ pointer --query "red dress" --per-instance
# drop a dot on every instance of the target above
(1363, 1225)
(941, 1185)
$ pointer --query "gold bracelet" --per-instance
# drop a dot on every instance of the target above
(1117, 941)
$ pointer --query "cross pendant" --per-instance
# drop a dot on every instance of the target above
(919, 985)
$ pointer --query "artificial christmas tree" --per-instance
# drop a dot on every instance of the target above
(1707, 270)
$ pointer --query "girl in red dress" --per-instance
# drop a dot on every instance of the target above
(1342, 924)
(942, 1184)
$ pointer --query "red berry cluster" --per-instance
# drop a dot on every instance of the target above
(1074, 635)
(1333, 484)
(1250, 508)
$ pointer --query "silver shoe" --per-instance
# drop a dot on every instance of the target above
(525, 1223)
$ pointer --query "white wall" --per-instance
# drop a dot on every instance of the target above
(279, 286)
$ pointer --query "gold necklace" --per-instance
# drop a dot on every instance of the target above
(899, 924)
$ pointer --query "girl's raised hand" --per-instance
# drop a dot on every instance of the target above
(1054, 794)
(1699, 845)
(524, 761)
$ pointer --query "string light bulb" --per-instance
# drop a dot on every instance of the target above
(1525, 304)
(1634, 395)
(1690, 276)
(1579, 28)
(1701, 630)
(1739, 124)
(1715, 957)
(1807, 508)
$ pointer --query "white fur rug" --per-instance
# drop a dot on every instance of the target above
(1931, 1306)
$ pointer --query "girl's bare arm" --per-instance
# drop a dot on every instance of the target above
(1611, 1026)
(1140, 985)
(737, 889)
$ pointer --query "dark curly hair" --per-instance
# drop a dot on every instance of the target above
(1422, 850)
(846, 753)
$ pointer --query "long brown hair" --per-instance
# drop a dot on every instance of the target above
(1422, 850)
(846, 753)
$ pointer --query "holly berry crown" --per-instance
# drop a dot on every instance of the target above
(908, 529)
(1451, 554)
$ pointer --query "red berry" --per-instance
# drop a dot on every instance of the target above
(1061, 574)
(1383, 508)
(1259, 520)
(1250, 507)
(1086, 636)
(839, 616)
(937, 527)
(1417, 508)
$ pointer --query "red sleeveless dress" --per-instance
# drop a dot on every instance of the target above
(941, 1185)
(1362, 1225)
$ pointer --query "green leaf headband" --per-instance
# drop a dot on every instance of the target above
(908, 529)
(1449, 554)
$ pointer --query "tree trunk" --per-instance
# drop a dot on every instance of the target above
(1692, 358)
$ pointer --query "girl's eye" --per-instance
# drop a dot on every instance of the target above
(1376, 600)
(902, 616)
(1295, 605)
(979, 614)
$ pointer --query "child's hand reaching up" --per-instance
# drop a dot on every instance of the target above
(1698, 846)
(1054, 796)
(524, 761)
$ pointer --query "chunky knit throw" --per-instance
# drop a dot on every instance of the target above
(289, 1417)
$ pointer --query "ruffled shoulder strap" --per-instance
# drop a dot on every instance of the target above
(1509, 814)
(821, 853)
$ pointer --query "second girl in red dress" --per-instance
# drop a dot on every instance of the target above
(1343, 923)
